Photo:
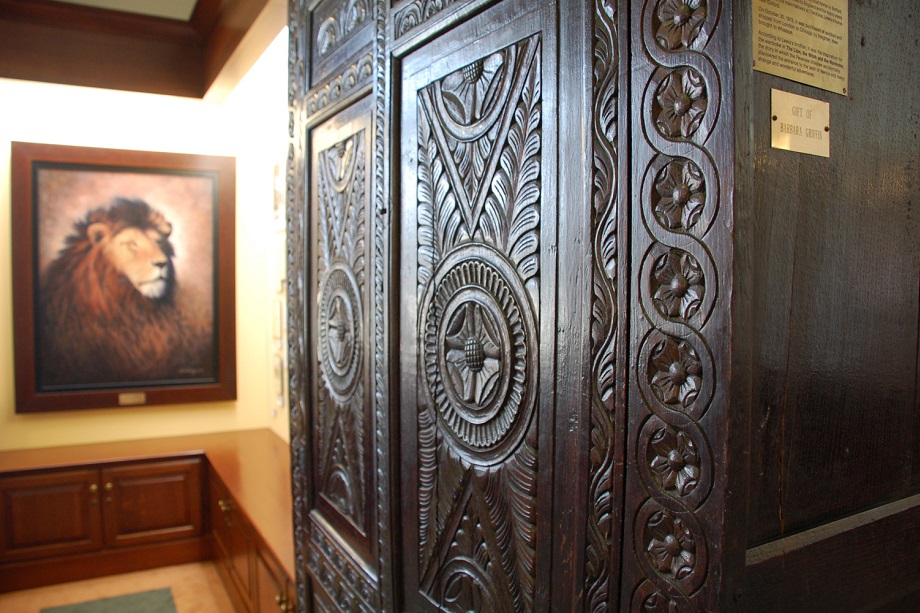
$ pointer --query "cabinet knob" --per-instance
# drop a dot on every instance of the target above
(282, 603)
(93, 488)
(109, 487)
(224, 505)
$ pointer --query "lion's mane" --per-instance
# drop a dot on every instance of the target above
(96, 326)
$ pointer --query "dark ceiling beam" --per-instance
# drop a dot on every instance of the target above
(42, 40)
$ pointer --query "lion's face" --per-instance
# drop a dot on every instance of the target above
(137, 254)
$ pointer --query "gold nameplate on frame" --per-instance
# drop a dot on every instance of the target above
(803, 40)
(800, 124)
(132, 398)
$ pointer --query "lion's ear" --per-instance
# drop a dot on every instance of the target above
(98, 232)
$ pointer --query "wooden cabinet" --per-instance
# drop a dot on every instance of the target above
(253, 577)
(79, 523)
(49, 514)
(273, 590)
(70, 513)
(231, 535)
(571, 333)
(151, 502)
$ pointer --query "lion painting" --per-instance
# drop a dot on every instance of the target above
(110, 305)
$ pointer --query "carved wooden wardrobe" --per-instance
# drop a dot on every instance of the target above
(524, 285)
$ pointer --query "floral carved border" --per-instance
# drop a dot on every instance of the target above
(681, 258)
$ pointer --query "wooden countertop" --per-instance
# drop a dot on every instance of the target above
(255, 465)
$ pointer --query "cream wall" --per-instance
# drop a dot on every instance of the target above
(250, 125)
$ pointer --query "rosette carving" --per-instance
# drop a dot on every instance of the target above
(679, 22)
(675, 372)
(677, 284)
(671, 547)
(674, 460)
(680, 195)
(680, 103)
(479, 355)
(675, 493)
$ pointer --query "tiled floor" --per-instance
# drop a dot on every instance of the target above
(196, 588)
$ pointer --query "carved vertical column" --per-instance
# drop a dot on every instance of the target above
(298, 61)
(382, 273)
(681, 260)
(606, 423)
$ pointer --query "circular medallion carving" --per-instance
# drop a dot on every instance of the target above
(478, 344)
(340, 331)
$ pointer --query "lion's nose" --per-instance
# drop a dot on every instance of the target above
(160, 264)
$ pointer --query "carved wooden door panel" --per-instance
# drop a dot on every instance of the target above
(341, 518)
(518, 270)
(477, 311)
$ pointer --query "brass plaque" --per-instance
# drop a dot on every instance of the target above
(803, 40)
(132, 398)
(800, 124)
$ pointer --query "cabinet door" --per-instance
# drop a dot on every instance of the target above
(232, 542)
(271, 588)
(49, 514)
(478, 296)
(153, 502)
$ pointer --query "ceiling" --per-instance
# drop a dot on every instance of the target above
(170, 9)
(191, 48)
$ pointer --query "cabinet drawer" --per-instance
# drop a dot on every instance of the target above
(49, 514)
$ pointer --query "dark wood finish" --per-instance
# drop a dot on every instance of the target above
(478, 306)
(102, 563)
(836, 312)
(853, 563)
(69, 524)
(26, 157)
(50, 514)
(714, 348)
(835, 420)
(681, 150)
(252, 467)
(41, 40)
(338, 29)
(152, 502)
(343, 445)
